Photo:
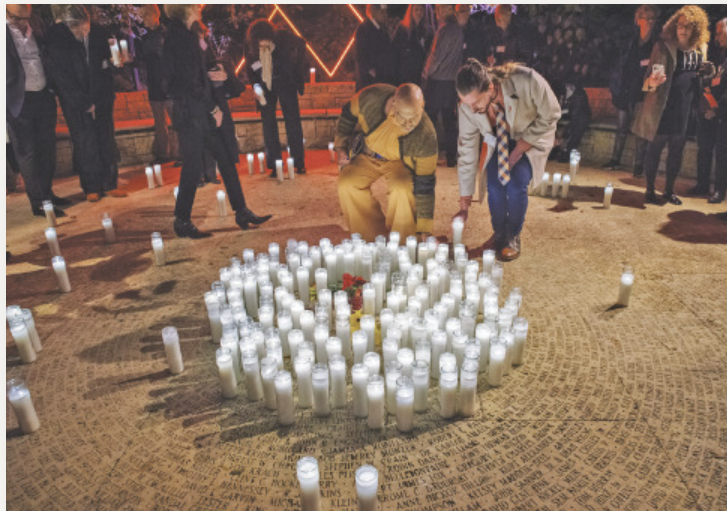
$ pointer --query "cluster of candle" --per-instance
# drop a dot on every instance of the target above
(559, 185)
(154, 176)
(309, 476)
(119, 51)
(439, 318)
(27, 340)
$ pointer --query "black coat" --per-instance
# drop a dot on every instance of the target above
(411, 50)
(290, 64)
(80, 84)
(150, 51)
(190, 88)
(628, 77)
(373, 50)
(14, 72)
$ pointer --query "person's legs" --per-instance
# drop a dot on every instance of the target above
(449, 122)
(271, 134)
(215, 147)
(191, 143)
(640, 147)
(622, 131)
(24, 142)
(45, 132)
(497, 202)
(674, 162)
(576, 130)
(652, 160)
(106, 136)
(160, 146)
(400, 215)
(705, 155)
(293, 127)
(86, 159)
(517, 196)
(361, 212)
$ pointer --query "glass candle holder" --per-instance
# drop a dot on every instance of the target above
(360, 376)
(228, 381)
(376, 402)
(268, 370)
(367, 487)
(22, 404)
(420, 379)
(251, 367)
(284, 398)
(404, 404)
(337, 368)
(321, 391)
(393, 373)
(309, 480)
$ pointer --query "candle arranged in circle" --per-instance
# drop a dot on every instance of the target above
(150, 177)
(221, 203)
(627, 282)
(607, 195)
(22, 404)
(52, 237)
(261, 161)
(158, 174)
(59, 266)
(157, 245)
(50, 213)
(250, 163)
(108, 229)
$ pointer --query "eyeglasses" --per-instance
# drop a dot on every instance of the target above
(15, 18)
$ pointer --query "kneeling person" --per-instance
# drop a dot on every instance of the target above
(517, 112)
(398, 143)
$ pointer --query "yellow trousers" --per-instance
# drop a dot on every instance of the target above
(362, 212)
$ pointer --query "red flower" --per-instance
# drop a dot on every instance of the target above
(347, 281)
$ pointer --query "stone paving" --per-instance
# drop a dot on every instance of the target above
(614, 408)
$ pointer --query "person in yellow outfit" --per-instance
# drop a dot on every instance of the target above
(398, 143)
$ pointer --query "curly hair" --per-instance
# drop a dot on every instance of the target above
(700, 26)
(259, 30)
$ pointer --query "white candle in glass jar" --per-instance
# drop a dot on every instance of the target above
(59, 266)
(520, 331)
(468, 388)
(303, 373)
(375, 396)
(21, 336)
(124, 46)
(420, 379)
(566, 186)
(575, 160)
(360, 376)
(321, 277)
(228, 382)
(556, 184)
(250, 163)
(172, 350)
(343, 332)
(607, 195)
(268, 370)
(367, 487)
(52, 237)
(321, 400)
(284, 398)
(307, 324)
(312, 76)
(368, 325)
(303, 276)
(115, 52)
(221, 203)
(22, 404)
(320, 337)
(404, 404)
(291, 169)
(392, 373)
(261, 161)
(405, 356)
(457, 229)
(337, 367)
(108, 229)
(372, 361)
(331, 152)
(448, 393)
(544, 184)
(251, 300)
(253, 381)
(309, 480)
(627, 282)
(333, 347)
(360, 346)
(157, 245)
(439, 346)
(279, 170)
(176, 192)
(158, 175)
(50, 213)
(150, 177)
(27, 316)
(498, 353)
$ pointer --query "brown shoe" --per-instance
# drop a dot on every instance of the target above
(116, 193)
(511, 251)
(93, 197)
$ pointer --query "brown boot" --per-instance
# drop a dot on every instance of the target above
(116, 193)
(512, 250)
(93, 197)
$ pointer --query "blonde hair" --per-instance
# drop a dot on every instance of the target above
(178, 12)
(150, 9)
(700, 26)
(70, 14)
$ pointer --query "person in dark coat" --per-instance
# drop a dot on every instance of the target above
(412, 41)
(79, 62)
(626, 83)
(30, 108)
(475, 43)
(200, 118)
(575, 109)
(373, 51)
(506, 41)
(277, 66)
(712, 126)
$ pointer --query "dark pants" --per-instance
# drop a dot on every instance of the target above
(163, 146)
(675, 145)
(291, 114)
(94, 148)
(440, 97)
(33, 137)
(575, 131)
(193, 143)
(625, 117)
(712, 141)
(508, 203)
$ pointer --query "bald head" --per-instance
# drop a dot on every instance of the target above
(408, 106)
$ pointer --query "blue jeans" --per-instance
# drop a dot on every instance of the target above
(509, 203)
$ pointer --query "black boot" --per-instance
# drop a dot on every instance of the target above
(188, 230)
(246, 217)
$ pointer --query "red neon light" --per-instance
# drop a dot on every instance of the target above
(311, 50)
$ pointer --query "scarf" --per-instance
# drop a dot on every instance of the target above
(266, 59)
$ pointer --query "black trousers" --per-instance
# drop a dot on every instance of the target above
(94, 148)
(675, 144)
(440, 97)
(288, 98)
(712, 141)
(33, 137)
(576, 129)
(194, 141)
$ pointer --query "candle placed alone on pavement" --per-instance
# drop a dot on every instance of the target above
(607, 195)
(332, 151)
(627, 282)
(22, 404)
(108, 229)
(157, 244)
(291, 169)
(221, 203)
(279, 170)
(250, 163)
(172, 350)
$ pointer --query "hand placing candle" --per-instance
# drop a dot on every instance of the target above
(115, 52)
(260, 94)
